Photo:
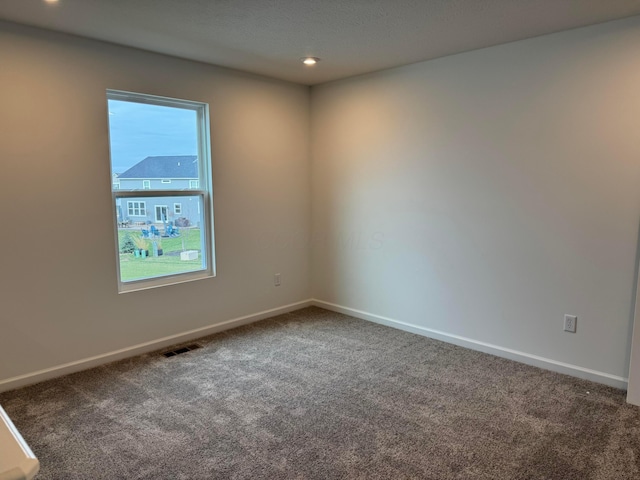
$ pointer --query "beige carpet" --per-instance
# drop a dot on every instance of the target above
(318, 395)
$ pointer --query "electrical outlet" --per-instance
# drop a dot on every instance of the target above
(570, 323)
(276, 279)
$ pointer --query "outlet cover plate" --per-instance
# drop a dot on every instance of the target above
(570, 322)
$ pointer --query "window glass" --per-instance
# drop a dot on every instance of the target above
(159, 157)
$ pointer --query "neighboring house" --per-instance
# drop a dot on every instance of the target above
(159, 173)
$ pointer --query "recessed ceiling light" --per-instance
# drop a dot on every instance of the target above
(51, 1)
(310, 60)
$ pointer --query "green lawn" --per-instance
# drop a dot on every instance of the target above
(132, 268)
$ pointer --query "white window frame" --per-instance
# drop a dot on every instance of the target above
(193, 184)
(146, 184)
(177, 209)
(203, 189)
(136, 205)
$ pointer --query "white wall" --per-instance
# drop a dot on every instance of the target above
(59, 300)
(482, 195)
(633, 391)
(486, 194)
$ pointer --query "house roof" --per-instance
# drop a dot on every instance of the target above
(181, 166)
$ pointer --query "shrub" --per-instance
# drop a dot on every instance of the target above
(127, 246)
(141, 243)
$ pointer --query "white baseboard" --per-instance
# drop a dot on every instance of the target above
(86, 363)
(522, 357)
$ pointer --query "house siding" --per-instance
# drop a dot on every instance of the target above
(190, 209)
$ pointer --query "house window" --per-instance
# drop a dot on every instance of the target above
(136, 209)
(145, 133)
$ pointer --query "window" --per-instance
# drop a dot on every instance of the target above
(137, 209)
(157, 138)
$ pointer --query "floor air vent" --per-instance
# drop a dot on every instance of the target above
(185, 349)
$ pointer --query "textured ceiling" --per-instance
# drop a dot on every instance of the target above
(351, 36)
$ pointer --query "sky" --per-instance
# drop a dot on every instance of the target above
(138, 130)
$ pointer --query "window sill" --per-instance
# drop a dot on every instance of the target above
(138, 285)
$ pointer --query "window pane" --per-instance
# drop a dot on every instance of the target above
(154, 240)
(160, 177)
(153, 147)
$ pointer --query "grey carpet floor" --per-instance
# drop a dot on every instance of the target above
(318, 395)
